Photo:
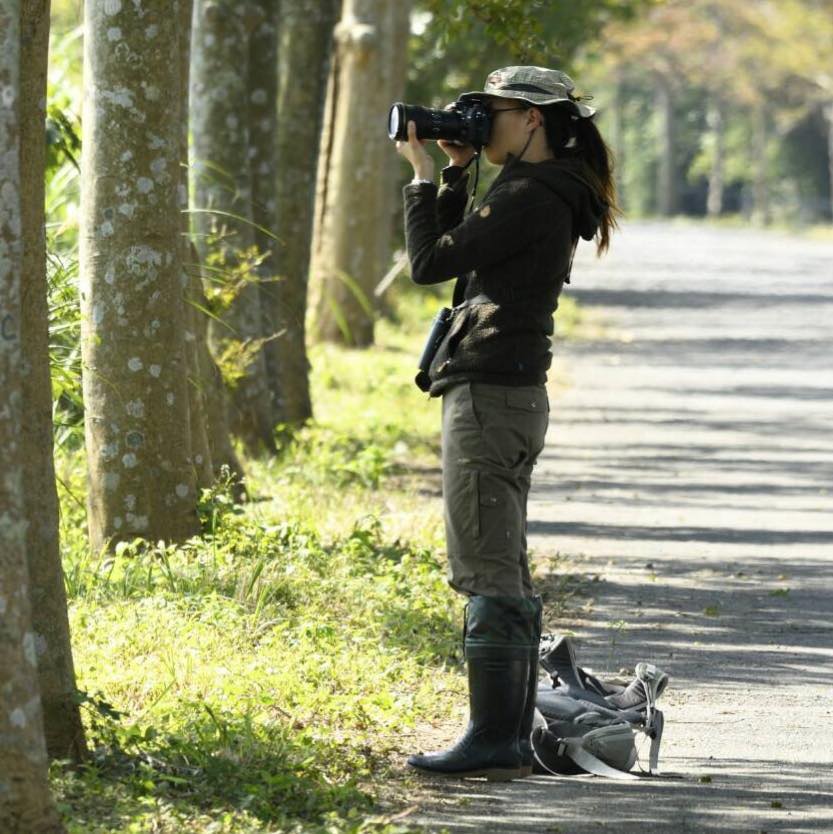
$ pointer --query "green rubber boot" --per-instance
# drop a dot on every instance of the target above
(498, 642)
(525, 732)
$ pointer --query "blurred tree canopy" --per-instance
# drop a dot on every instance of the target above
(749, 86)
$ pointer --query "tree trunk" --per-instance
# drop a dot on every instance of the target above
(715, 119)
(50, 623)
(394, 60)
(761, 210)
(345, 261)
(141, 475)
(617, 133)
(223, 196)
(197, 411)
(828, 115)
(666, 180)
(306, 37)
(25, 803)
(262, 89)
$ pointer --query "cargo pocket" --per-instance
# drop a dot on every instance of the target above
(490, 526)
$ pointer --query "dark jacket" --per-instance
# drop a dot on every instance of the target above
(511, 257)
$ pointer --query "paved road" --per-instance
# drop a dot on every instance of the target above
(689, 467)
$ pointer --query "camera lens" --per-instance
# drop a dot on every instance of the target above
(466, 123)
(396, 122)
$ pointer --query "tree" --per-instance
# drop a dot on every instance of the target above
(346, 261)
(50, 623)
(262, 95)
(223, 217)
(141, 474)
(306, 35)
(25, 804)
(199, 373)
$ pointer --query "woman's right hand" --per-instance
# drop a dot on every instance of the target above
(458, 154)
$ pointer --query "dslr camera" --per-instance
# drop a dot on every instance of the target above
(466, 122)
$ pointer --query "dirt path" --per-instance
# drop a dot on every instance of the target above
(689, 467)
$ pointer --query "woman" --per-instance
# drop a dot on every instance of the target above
(511, 258)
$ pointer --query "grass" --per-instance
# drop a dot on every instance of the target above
(271, 674)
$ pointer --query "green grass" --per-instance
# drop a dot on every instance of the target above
(271, 674)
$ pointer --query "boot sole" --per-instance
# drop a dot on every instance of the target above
(494, 774)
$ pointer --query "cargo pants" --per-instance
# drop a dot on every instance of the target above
(491, 438)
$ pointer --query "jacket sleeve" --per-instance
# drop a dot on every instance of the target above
(451, 203)
(509, 220)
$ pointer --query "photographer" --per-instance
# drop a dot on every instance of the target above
(511, 257)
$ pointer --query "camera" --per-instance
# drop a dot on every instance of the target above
(467, 122)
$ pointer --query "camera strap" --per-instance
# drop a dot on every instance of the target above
(476, 160)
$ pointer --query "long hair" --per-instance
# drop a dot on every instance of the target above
(589, 146)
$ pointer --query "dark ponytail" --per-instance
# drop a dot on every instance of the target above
(561, 127)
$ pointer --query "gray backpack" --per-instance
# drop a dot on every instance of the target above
(585, 725)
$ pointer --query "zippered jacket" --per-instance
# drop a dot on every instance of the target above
(510, 257)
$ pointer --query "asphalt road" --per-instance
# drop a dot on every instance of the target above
(688, 475)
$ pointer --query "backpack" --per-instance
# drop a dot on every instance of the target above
(585, 725)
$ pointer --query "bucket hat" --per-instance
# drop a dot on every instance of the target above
(536, 85)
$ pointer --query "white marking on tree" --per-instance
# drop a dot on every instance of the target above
(135, 364)
(129, 460)
(120, 96)
(29, 649)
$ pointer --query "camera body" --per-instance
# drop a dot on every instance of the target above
(467, 122)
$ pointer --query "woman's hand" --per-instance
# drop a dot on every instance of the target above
(414, 151)
(457, 153)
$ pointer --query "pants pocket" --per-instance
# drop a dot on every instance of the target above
(491, 526)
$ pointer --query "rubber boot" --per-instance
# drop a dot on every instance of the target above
(498, 637)
(525, 731)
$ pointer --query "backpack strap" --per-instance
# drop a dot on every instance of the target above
(573, 749)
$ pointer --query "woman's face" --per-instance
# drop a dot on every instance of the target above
(512, 122)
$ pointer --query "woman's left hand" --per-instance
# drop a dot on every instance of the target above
(414, 151)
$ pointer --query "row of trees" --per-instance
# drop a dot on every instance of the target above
(193, 289)
(721, 106)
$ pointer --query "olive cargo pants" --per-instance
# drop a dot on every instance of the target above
(491, 438)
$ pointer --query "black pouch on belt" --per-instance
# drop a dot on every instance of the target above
(439, 329)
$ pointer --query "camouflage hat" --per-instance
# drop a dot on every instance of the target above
(537, 85)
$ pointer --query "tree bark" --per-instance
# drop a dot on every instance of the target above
(828, 115)
(197, 410)
(262, 88)
(25, 803)
(223, 196)
(345, 261)
(394, 60)
(304, 53)
(715, 118)
(141, 475)
(666, 180)
(761, 209)
(50, 622)
(617, 132)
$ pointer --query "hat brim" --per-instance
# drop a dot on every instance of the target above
(583, 110)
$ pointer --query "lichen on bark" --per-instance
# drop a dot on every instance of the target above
(141, 473)
(25, 803)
